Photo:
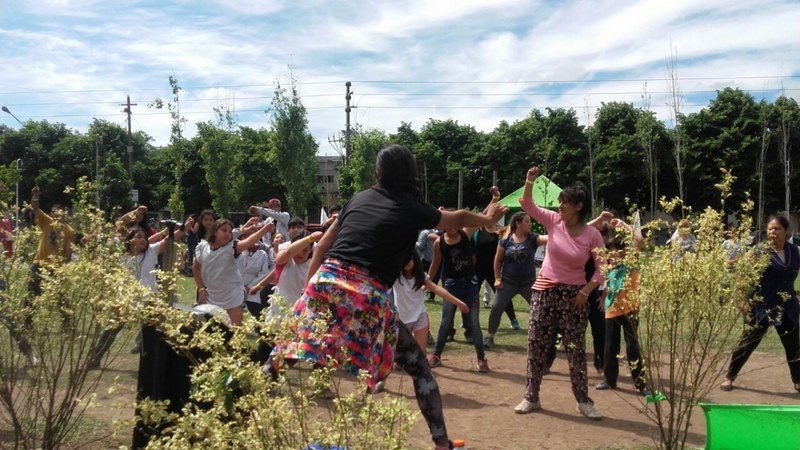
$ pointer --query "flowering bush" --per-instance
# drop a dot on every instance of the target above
(690, 315)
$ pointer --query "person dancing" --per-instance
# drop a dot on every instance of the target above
(355, 265)
(559, 300)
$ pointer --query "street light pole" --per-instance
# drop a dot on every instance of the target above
(19, 174)
(6, 110)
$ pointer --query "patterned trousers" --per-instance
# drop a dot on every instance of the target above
(553, 310)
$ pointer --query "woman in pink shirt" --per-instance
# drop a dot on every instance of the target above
(559, 301)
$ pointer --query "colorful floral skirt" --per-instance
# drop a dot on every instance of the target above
(345, 318)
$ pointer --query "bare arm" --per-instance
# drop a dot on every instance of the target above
(498, 266)
(296, 247)
(202, 296)
(463, 218)
(322, 247)
(437, 258)
(442, 292)
(248, 242)
(495, 198)
(35, 193)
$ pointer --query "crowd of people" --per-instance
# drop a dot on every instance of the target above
(368, 274)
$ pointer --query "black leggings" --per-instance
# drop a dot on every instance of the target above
(790, 338)
(412, 360)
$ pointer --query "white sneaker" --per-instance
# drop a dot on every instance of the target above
(380, 386)
(526, 407)
(33, 360)
(589, 411)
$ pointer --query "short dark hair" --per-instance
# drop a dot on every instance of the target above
(334, 208)
(577, 194)
(296, 222)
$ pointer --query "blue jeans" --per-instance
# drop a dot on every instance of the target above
(466, 290)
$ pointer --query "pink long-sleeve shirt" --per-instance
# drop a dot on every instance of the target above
(566, 256)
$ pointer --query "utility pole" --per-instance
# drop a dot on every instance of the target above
(348, 95)
(127, 111)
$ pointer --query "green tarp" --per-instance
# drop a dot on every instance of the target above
(731, 427)
(545, 194)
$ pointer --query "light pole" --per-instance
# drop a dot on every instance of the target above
(6, 110)
(19, 174)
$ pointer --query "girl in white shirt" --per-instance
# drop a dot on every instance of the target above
(409, 299)
(253, 265)
(216, 272)
(291, 271)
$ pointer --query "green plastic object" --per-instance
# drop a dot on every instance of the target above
(750, 427)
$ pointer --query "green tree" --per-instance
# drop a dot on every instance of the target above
(177, 148)
(727, 133)
(444, 150)
(219, 152)
(359, 172)
(294, 150)
(619, 155)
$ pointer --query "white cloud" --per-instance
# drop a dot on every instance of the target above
(75, 60)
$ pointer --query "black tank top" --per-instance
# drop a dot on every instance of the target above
(457, 259)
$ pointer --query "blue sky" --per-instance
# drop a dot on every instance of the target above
(478, 62)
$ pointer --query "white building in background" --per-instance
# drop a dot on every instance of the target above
(328, 180)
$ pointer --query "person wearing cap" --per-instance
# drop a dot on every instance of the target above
(274, 211)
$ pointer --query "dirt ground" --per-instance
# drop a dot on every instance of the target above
(479, 407)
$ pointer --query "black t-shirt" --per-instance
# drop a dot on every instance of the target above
(485, 249)
(457, 259)
(378, 230)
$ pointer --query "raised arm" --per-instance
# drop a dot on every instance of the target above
(495, 191)
(248, 242)
(279, 216)
(322, 248)
(545, 217)
(283, 256)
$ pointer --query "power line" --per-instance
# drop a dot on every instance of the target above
(432, 82)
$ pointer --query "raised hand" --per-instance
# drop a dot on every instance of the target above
(532, 174)
(496, 211)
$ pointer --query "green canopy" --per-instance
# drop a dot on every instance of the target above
(545, 194)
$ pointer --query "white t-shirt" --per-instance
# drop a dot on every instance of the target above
(143, 267)
(410, 303)
(253, 267)
(221, 274)
(290, 286)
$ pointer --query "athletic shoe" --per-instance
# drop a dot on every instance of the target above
(526, 407)
(515, 324)
(604, 386)
(380, 386)
(488, 342)
(136, 349)
(33, 360)
(483, 366)
(486, 304)
(644, 391)
(589, 411)
(435, 361)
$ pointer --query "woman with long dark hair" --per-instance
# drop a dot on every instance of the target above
(351, 272)
(514, 268)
